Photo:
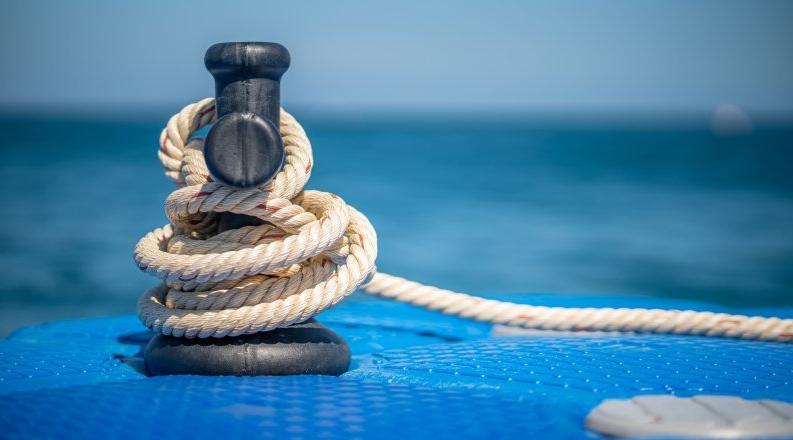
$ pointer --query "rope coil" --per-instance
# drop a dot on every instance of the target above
(314, 251)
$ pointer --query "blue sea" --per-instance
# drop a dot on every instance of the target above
(504, 203)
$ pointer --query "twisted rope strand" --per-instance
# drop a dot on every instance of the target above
(314, 250)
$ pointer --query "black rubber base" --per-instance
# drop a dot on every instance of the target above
(306, 348)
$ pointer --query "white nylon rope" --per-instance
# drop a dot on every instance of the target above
(314, 251)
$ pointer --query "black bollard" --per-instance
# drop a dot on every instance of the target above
(244, 149)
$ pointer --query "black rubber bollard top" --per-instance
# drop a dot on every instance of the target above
(244, 147)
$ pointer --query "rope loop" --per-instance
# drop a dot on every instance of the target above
(314, 250)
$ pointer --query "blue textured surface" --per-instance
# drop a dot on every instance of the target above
(415, 374)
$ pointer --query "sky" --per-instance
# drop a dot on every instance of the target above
(619, 55)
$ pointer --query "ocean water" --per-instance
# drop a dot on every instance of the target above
(511, 204)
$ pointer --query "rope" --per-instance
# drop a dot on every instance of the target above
(314, 251)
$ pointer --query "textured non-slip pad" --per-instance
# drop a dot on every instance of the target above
(414, 374)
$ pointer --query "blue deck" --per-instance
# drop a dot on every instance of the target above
(415, 374)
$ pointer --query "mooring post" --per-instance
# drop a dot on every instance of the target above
(244, 149)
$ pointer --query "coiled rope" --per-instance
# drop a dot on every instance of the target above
(315, 250)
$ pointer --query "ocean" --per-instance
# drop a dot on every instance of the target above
(508, 203)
